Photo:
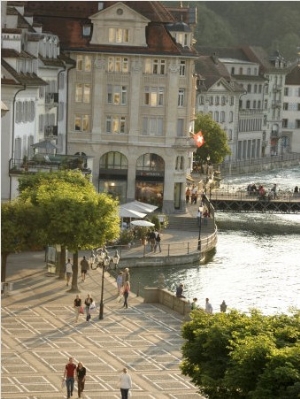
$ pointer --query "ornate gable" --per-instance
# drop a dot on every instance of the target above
(119, 25)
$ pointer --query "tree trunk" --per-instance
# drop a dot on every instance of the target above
(4, 256)
(75, 273)
(62, 264)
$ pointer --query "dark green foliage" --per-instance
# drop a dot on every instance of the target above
(238, 356)
(273, 25)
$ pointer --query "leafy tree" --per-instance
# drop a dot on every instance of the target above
(74, 214)
(238, 356)
(215, 140)
(19, 230)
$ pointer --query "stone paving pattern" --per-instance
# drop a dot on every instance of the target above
(39, 334)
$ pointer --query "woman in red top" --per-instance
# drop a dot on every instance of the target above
(126, 290)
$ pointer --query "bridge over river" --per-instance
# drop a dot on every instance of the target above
(241, 201)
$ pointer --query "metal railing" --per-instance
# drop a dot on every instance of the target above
(180, 248)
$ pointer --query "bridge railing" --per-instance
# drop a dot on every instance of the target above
(240, 194)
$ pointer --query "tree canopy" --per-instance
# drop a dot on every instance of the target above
(58, 208)
(237, 356)
(215, 140)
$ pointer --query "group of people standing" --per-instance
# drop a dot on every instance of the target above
(191, 195)
(78, 373)
(154, 240)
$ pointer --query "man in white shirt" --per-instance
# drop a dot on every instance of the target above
(208, 307)
(69, 271)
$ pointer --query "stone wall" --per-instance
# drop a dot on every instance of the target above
(168, 299)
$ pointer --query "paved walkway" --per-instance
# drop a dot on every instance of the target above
(39, 334)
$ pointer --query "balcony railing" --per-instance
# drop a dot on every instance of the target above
(48, 163)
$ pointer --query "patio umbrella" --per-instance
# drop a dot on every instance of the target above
(142, 223)
(140, 207)
(127, 213)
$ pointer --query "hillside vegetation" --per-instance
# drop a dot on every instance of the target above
(270, 24)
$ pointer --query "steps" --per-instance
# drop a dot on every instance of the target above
(190, 224)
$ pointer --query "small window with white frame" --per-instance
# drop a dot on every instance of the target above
(115, 124)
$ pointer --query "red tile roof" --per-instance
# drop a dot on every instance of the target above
(66, 20)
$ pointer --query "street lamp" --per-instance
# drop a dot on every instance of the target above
(199, 215)
(106, 262)
(208, 159)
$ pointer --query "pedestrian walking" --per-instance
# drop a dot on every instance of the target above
(126, 275)
(126, 290)
(125, 383)
(84, 268)
(77, 306)
(80, 375)
(208, 306)
(69, 271)
(157, 241)
(88, 301)
(69, 376)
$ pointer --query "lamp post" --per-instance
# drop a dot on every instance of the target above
(208, 159)
(199, 215)
(105, 263)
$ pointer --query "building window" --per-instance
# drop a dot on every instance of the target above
(254, 104)
(230, 116)
(216, 116)
(201, 100)
(229, 134)
(182, 68)
(84, 63)
(260, 88)
(181, 98)
(255, 88)
(217, 100)
(297, 123)
(231, 100)
(248, 104)
(153, 126)
(116, 124)
(155, 66)
(180, 125)
(285, 106)
(82, 123)
(222, 116)
(83, 93)
(298, 106)
(118, 35)
(179, 165)
(154, 96)
(266, 104)
(113, 160)
(211, 100)
(286, 91)
(249, 88)
(118, 64)
(116, 95)
(284, 123)
(232, 71)
(241, 71)
(258, 104)
(248, 71)
(223, 100)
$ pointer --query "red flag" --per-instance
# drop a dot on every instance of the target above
(199, 139)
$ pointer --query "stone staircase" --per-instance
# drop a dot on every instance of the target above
(190, 224)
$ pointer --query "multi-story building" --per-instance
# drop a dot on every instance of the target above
(257, 119)
(131, 96)
(33, 88)
(218, 95)
(290, 139)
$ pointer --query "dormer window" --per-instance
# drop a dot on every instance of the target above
(118, 35)
(86, 30)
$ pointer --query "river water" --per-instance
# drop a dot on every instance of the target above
(248, 269)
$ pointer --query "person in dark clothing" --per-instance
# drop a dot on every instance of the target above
(80, 375)
(179, 291)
